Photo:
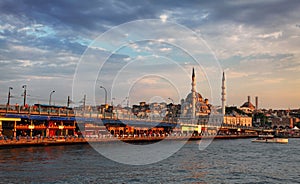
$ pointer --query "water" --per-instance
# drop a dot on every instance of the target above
(224, 161)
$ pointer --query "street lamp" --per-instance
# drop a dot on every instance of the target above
(105, 94)
(24, 94)
(51, 96)
(112, 101)
(127, 101)
(171, 100)
(8, 98)
(172, 109)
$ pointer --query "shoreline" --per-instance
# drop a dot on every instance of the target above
(37, 142)
(71, 140)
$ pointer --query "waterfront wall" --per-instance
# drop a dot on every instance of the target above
(43, 141)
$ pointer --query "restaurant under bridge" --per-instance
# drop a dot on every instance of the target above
(50, 120)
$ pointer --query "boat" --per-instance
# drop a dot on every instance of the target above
(270, 139)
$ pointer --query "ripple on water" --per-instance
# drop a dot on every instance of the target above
(224, 161)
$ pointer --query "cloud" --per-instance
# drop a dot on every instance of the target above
(233, 74)
(248, 37)
(149, 81)
(165, 49)
(274, 35)
(268, 80)
(27, 49)
(25, 63)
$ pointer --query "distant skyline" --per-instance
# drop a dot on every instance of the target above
(256, 43)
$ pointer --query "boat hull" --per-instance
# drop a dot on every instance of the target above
(274, 140)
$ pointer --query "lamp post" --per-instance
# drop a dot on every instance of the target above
(51, 96)
(8, 98)
(171, 100)
(105, 94)
(112, 101)
(127, 101)
(105, 100)
(172, 109)
(24, 94)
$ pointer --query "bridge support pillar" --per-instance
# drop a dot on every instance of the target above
(62, 130)
(47, 132)
(15, 129)
(31, 130)
(0, 128)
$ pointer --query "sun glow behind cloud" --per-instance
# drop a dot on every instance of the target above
(163, 17)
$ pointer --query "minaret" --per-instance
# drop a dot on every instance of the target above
(223, 94)
(193, 94)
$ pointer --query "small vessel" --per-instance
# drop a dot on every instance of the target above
(270, 139)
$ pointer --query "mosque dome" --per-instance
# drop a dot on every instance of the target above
(189, 98)
(248, 105)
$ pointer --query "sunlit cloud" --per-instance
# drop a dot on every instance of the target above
(165, 49)
(274, 35)
(25, 63)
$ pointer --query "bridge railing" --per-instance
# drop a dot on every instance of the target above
(35, 110)
(120, 116)
(16, 109)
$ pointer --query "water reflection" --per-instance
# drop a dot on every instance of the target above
(224, 161)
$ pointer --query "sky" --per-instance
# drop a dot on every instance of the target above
(145, 50)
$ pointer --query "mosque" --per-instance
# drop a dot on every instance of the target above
(194, 105)
(199, 116)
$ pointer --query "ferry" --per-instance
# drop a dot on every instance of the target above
(270, 139)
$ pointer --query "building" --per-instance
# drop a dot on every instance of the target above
(142, 110)
(248, 107)
(194, 105)
(238, 120)
(282, 122)
(236, 117)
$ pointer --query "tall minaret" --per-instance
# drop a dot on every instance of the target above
(193, 94)
(223, 94)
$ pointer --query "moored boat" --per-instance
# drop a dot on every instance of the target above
(270, 139)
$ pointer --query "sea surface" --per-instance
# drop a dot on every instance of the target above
(223, 161)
